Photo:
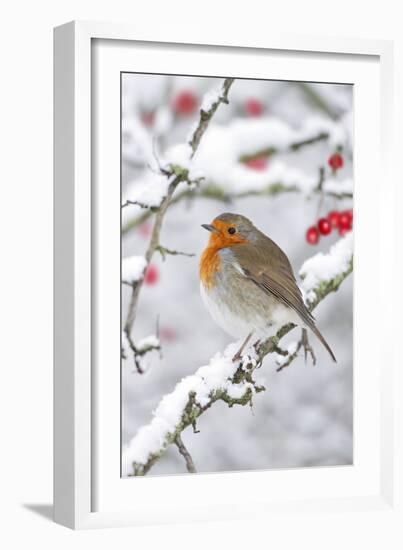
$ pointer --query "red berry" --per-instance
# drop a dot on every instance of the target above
(145, 229)
(335, 161)
(350, 214)
(312, 235)
(253, 107)
(185, 103)
(344, 230)
(258, 164)
(324, 226)
(147, 118)
(167, 334)
(151, 275)
(345, 221)
(334, 218)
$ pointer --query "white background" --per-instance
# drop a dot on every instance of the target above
(26, 245)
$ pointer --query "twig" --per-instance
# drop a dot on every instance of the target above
(164, 251)
(317, 100)
(176, 175)
(205, 116)
(186, 455)
(269, 151)
(141, 204)
(215, 192)
(138, 353)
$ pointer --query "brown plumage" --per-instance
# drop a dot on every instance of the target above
(238, 257)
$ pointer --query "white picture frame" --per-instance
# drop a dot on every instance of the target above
(87, 491)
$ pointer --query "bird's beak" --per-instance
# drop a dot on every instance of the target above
(210, 228)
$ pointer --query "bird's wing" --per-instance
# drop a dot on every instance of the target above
(266, 265)
(272, 273)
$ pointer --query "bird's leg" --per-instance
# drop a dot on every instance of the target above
(238, 354)
(307, 346)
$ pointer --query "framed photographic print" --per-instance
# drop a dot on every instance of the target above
(220, 247)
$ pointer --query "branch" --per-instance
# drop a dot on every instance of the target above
(224, 380)
(269, 151)
(138, 203)
(175, 177)
(141, 349)
(164, 251)
(206, 114)
(216, 192)
(186, 455)
(287, 357)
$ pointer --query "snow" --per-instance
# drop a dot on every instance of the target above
(217, 159)
(209, 378)
(211, 97)
(137, 144)
(163, 121)
(148, 342)
(217, 374)
(233, 439)
(150, 189)
(179, 155)
(338, 185)
(281, 359)
(324, 267)
(133, 268)
(219, 153)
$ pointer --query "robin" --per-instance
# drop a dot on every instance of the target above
(247, 282)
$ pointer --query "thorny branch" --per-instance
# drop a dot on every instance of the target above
(243, 376)
(176, 176)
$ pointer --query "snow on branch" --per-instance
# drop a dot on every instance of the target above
(322, 271)
(158, 193)
(224, 380)
(221, 158)
(133, 268)
(242, 182)
(219, 169)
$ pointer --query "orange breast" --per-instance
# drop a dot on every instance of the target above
(210, 263)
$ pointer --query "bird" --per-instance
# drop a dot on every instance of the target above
(247, 283)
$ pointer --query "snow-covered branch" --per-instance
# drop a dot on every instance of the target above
(279, 178)
(158, 193)
(220, 167)
(228, 381)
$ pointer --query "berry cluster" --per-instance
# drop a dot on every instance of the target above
(342, 221)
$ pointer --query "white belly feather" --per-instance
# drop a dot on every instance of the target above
(237, 326)
(233, 325)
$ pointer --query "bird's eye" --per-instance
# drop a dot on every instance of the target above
(231, 230)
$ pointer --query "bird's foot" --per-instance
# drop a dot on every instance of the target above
(238, 355)
(307, 346)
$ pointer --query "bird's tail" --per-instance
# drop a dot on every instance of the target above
(317, 333)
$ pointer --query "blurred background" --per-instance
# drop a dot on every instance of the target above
(305, 416)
